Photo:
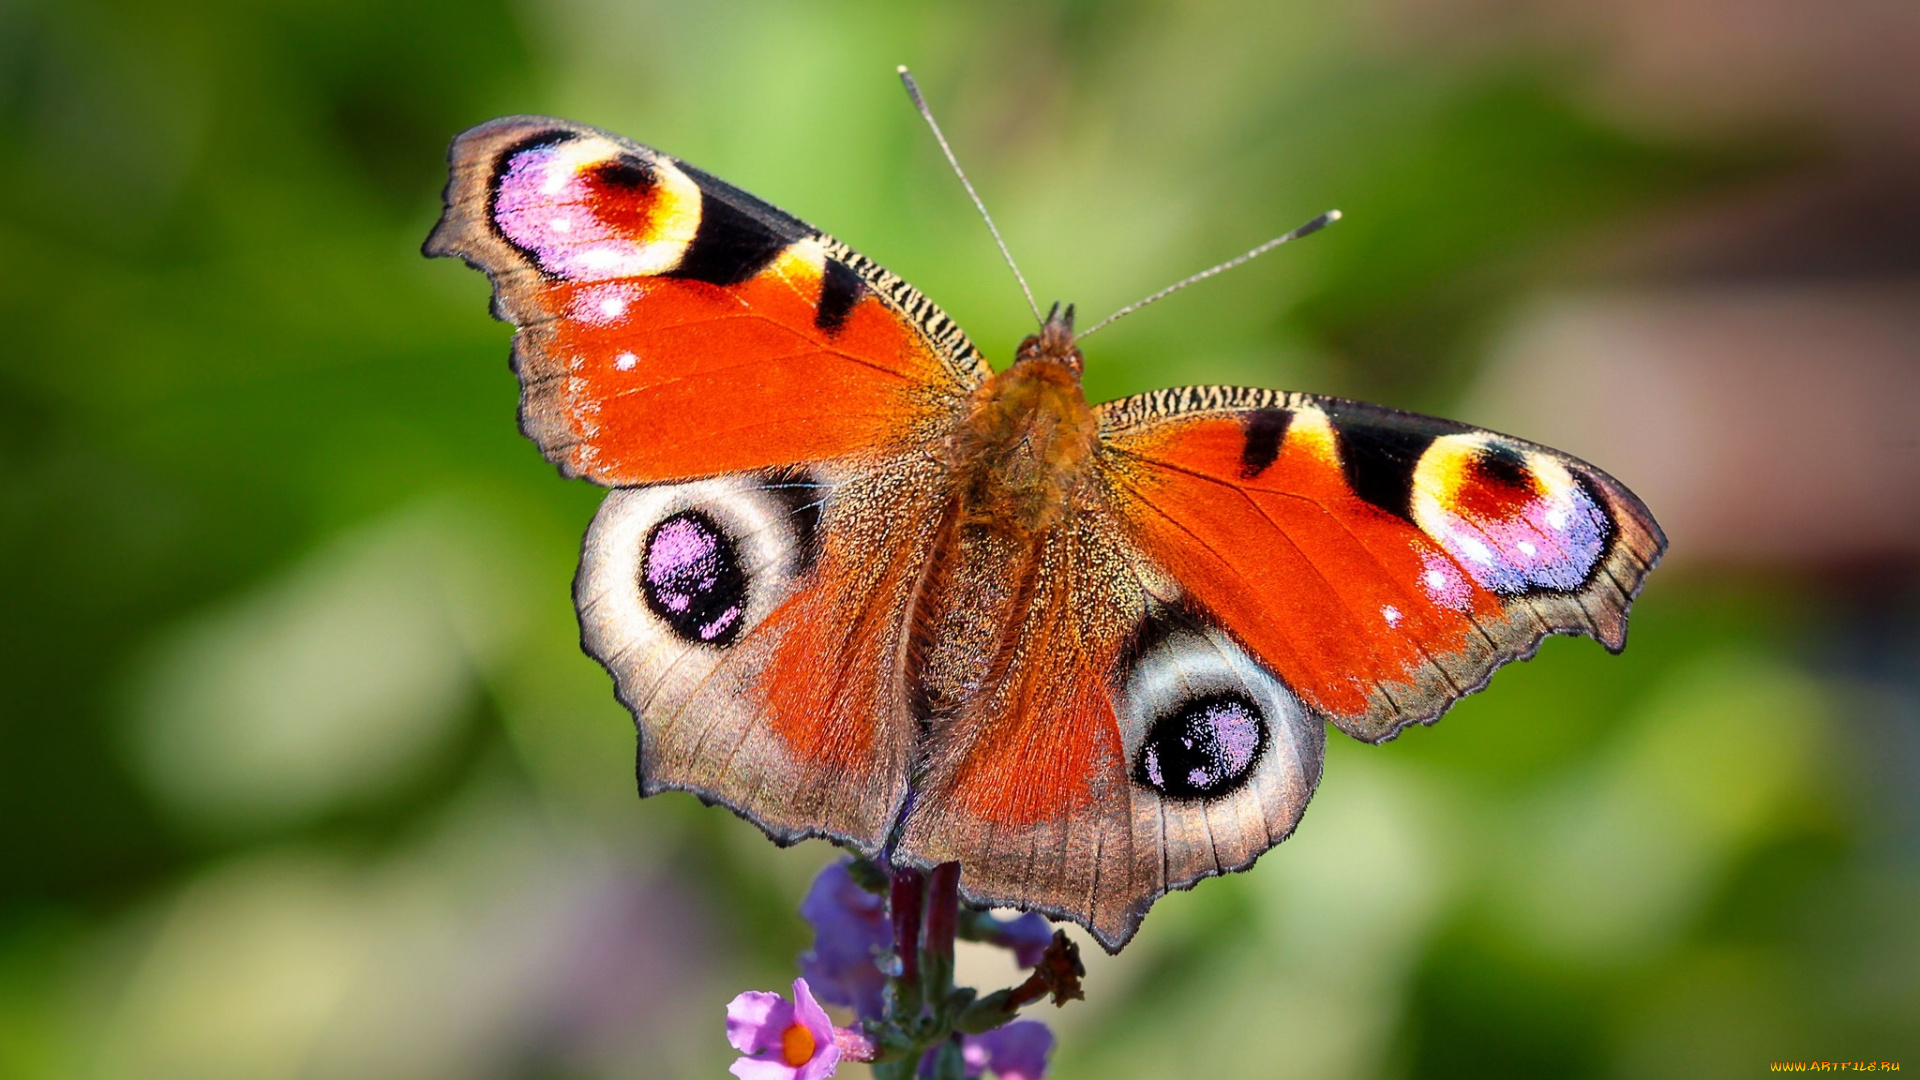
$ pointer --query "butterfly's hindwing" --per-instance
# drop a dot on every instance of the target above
(672, 575)
(1222, 756)
(1100, 743)
(753, 624)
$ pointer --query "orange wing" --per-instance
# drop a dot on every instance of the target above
(1382, 563)
(1095, 740)
(674, 327)
(757, 626)
(767, 401)
(1134, 701)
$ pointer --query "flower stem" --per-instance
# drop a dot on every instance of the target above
(943, 917)
(905, 905)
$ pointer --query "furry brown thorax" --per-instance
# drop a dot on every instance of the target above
(1026, 448)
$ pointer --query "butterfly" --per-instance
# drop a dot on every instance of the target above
(853, 583)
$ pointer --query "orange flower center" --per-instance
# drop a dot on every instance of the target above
(796, 1045)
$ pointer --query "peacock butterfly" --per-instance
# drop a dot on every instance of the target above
(855, 584)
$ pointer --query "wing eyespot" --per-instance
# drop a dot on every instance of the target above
(1204, 749)
(1199, 716)
(585, 209)
(691, 579)
(627, 171)
(1519, 522)
(692, 567)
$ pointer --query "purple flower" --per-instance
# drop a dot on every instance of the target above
(850, 929)
(1028, 936)
(1017, 1051)
(781, 1041)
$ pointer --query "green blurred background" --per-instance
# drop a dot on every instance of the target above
(303, 775)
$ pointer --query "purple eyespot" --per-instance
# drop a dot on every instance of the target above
(580, 219)
(691, 578)
(1206, 749)
(1515, 523)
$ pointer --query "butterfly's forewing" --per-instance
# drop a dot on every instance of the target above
(768, 401)
(1097, 741)
(672, 326)
(1381, 563)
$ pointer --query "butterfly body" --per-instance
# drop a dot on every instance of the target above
(1025, 452)
(854, 583)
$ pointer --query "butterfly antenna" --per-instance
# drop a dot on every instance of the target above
(913, 91)
(1309, 228)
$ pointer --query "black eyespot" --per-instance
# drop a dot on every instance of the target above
(691, 578)
(625, 171)
(1504, 465)
(1206, 749)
